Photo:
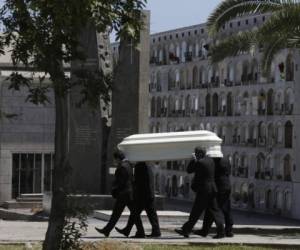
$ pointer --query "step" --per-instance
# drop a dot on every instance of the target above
(164, 216)
(27, 214)
(32, 196)
(29, 199)
(13, 204)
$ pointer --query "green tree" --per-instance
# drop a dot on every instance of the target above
(280, 30)
(42, 35)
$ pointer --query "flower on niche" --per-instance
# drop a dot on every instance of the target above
(173, 57)
(281, 70)
(281, 67)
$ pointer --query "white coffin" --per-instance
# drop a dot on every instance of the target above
(169, 146)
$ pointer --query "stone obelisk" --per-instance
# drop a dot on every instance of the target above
(86, 124)
(130, 91)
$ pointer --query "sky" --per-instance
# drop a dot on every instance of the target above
(171, 14)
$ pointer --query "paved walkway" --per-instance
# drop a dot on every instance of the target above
(285, 234)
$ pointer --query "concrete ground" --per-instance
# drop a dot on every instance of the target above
(252, 229)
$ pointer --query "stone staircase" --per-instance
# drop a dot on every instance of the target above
(25, 201)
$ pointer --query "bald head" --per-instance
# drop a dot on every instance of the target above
(200, 152)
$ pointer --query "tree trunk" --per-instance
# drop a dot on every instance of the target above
(60, 174)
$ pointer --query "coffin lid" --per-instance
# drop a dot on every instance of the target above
(201, 136)
(170, 146)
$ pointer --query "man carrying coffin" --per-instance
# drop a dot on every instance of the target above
(222, 177)
(122, 191)
(205, 188)
(144, 199)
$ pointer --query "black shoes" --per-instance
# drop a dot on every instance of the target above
(200, 232)
(154, 235)
(102, 231)
(183, 233)
(219, 236)
(138, 236)
(157, 235)
(122, 231)
(229, 234)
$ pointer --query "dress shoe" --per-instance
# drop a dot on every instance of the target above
(122, 231)
(229, 234)
(138, 236)
(102, 231)
(154, 235)
(200, 232)
(218, 236)
(183, 233)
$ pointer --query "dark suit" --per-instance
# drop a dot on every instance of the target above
(205, 187)
(223, 170)
(122, 191)
(144, 197)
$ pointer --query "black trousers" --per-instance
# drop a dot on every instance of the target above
(223, 199)
(119, 207)
(149, 206)
(204, 201)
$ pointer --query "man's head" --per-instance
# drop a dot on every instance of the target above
(200, 152)
(118, 155)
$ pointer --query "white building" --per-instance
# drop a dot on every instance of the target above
(255, 115)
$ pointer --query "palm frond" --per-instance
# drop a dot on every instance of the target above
(233, 45)
(294, 40)
(278, 41)
(270, 50)
(230, 9)
(281, 30)
(286, 21)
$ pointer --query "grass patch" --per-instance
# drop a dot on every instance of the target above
(111, 245)
(221, 247)
(118, 245)
(20, 247)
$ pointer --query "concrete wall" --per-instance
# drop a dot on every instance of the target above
(31, 131)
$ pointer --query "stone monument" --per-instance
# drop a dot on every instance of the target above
(130, 91)
(86, 124)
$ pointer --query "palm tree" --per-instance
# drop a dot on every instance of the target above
(281, 30)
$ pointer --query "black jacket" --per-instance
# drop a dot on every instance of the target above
(122, 185)
(204, 179)
(143, 182)
(223, 169)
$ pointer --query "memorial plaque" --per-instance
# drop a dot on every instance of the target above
(130, 90)
(86, 124)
